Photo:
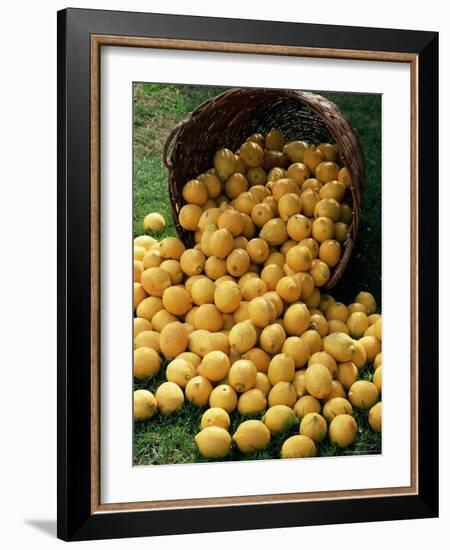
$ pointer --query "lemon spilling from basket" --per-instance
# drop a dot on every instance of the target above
(240, 320)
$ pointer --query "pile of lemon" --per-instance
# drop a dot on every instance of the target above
(240, 321)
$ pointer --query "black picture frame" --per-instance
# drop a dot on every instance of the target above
(76, 520)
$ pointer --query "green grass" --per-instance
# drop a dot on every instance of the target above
(157, 108)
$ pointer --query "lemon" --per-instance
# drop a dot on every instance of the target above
(192, 262)
(252, 436)
(190, 357)
(189, 216)
(198, 391)
(173, 269)
(345, 177)
(378, 361)
(327, 171)
(357, 324)
(212, 184)
(367, 299)
(139, 294)
(147, 339)
(262, 383)
(144, 405)
(375, 417)
(313, 340)
(306, 404)
(242, 375)
(334, 325)
(232, 221)
(281, 369)
(171, 248)
(173, 339)
(169, 398)
(152, 258)
(215, 365)
(337, 311)
(330, 252)
(224, 397)
(337, 390)
(347, 374)
(299, 227)
(274, 140)
(372, 347)
(155, 281)
(208, 317)
(213, 442)
(195, 192)
(176, 300)
(336, 190)
(289, 205)
(356, 306)
(202, 291)
(251, 402)
(274, 232)
(325, 359)
(295, 150)
(299, 383)
(224, 163)
(145, 241)
(343, 430)
(312, 158)
(243, 337)
(154, 222)
(339, 346)
(146, 363)
(139, 325)
(377, 378)
(148, 307)
(319, 324)
(180, 371)
(258, 250)
(298, 349)
(256, 176)
(318, 380)
(283, 393)
(314, 426)
(335, 407)
(279, 418)
(252, 154)
(236, 184)
(296, 319)
(309, 198)
(198, 341)
(359, 357)
(298, 446)
(259, 357)
(363, 394)
(322, 228)
(289, 289)
(262, 213)
(215, 417)
(261, 312)
(220, 243)
(238, 262)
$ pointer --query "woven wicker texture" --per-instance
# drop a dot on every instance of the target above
(229, 118)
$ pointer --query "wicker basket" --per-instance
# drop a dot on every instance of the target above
(229, 118)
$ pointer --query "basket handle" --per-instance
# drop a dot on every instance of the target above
(167, 162)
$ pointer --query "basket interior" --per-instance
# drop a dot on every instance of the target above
(198, 141)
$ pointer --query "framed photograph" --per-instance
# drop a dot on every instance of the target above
(247, 235)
